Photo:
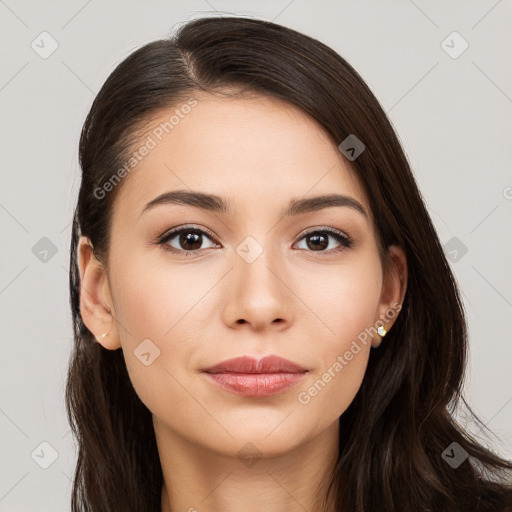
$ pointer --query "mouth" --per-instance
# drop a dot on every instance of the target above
(249, 376)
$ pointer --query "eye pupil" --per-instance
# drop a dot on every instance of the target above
(317, 241)
(189, 237)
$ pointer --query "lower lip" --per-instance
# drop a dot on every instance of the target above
(256, 384)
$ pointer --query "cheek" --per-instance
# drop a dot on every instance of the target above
(153, 306)
(346, 302)
(330, 391)
(153, 299)
(344, 299)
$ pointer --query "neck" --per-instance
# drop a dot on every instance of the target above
(197, 479)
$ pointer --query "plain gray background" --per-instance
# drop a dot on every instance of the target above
(451, 109)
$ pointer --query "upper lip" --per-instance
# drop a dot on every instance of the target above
(246, 364)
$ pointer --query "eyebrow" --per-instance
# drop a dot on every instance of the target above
(218, 204)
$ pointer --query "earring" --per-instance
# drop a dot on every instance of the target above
(382, 332)
(105, 334)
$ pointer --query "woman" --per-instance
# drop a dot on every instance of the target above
(248, 232)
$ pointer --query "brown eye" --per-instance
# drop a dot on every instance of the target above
(186, 239)
(190, 241)
(319, 240)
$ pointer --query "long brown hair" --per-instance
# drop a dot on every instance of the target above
(393, 434)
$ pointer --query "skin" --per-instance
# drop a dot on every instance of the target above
(259, 153)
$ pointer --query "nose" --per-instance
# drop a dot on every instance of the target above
(257, 295)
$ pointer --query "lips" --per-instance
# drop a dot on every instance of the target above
(248, 365)
(256, 378)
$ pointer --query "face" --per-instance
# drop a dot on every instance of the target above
(249, 280)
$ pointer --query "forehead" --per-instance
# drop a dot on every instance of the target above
(256, 151)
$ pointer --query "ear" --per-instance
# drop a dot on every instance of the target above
(394, 286)
(96, 307)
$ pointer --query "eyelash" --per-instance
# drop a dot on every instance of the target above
(344, 240)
